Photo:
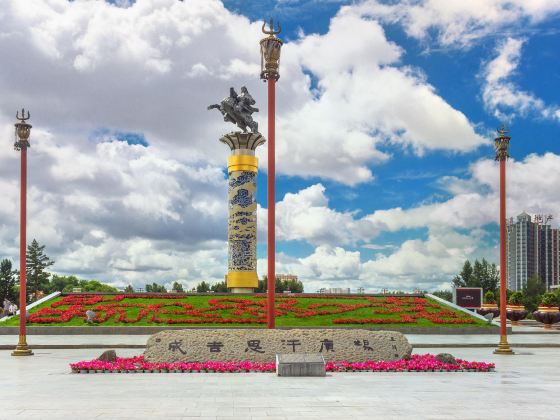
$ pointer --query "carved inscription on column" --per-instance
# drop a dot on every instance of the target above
(242, 226)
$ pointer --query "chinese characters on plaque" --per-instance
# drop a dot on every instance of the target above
(263, 345)
(254, 345)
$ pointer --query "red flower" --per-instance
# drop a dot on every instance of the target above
(230, 310)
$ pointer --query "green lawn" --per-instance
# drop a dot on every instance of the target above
(289, 319)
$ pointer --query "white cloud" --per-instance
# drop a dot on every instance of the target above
(140, 262)
(153, 67)
(363, 100)
(455, 230)
(458, 23)
(127, 213)
(531, 187)
(326, 266)
(306, 216)
(501, 96)
(117, 212)
(417, 264)
(423, 264)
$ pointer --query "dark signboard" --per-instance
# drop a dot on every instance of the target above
(468, 297)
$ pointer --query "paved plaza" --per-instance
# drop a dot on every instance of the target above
(522, 338)
(526, 385)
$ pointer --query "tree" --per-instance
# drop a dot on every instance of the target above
(477, 274)
(7, 281)
(280, 286)
(91, 286)
(177, 287)
(220, 287)
(481, 274)
(37, 262)
(68, 283)
(96, 286)
(202, 287)
(444, 294)
(557, 293)
(293, 285)
(497, 294)
(465, 277)
(129, 289)
(62, 283)
(491, 277)
(533, 291)
(155, 288)
(261, 288)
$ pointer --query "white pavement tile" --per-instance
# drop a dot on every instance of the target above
(526, 385)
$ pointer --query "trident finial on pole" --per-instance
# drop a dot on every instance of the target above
(503, 130)
(23, 129)
(23, 117)
(271, 31)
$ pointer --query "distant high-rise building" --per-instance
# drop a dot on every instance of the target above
(338, 291)
(532, 247)
(286, 277)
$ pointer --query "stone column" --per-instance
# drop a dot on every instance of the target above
(242, 204)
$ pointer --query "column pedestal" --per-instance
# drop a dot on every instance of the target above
(241, 290)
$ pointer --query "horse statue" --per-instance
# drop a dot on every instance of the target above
(237, 108)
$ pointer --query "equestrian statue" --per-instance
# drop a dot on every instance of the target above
(237, 108)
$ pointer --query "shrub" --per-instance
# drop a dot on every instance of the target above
(516, 298)
(489, 297)
(548, 299)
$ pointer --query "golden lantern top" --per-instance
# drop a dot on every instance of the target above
(270, 52)
(501, 143)
(23, 130)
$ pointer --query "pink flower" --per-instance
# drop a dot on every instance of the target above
(426, 362)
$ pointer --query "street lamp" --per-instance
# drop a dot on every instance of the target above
(21, 144)
(502, 144)
(270, 52)
(270, 62)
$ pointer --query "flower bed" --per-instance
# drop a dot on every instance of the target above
(142, 309)
(416, 363)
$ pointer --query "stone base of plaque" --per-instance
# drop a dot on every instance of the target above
(300, 364)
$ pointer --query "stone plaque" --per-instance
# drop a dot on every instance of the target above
(201, 345)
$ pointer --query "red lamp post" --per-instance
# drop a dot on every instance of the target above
(21, 144)
(502, 144)
(270, 61)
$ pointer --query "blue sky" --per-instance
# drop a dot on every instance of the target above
(408, 180)
(402, 98)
